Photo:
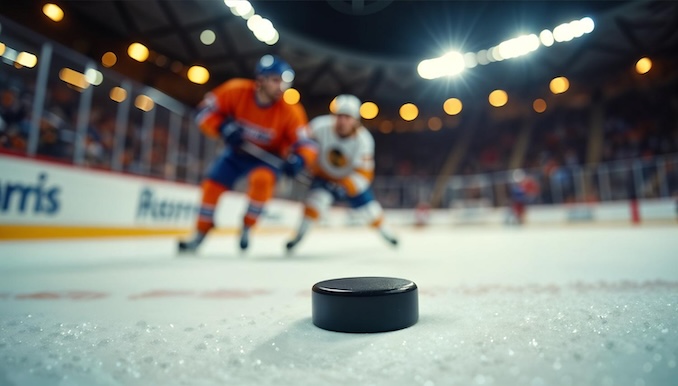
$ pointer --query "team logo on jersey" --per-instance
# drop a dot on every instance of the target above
(256, 133)
(337, 158)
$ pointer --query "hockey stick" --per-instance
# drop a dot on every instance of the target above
(275, 161)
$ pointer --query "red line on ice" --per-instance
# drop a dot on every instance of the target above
(161, 294)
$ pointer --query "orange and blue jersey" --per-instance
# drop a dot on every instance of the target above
(278, 128)
(275, 128)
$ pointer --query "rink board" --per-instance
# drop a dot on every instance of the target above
(44, 200)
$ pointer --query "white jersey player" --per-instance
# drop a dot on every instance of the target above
(344, 169)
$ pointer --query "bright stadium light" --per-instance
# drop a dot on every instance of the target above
(291, 96)
(546, 38)
(493, 55)
(207, 37)
(470, 60)
(409, 111)
(138, 52)
(449, 64)
(509, 49)
(498, 98)
(563, 33)
(118, 94)
(144, 103)
(481, 57)
(452, 106)
(559, 85)
(53, 12)
(262, 28)
(274, 39)
(242, 8)
(587, 25)
(26, 59)
(643, 65)
(577, 28)
(198, 74)
(253, 22)
(369, 110)
(94, 77)
(73, 78)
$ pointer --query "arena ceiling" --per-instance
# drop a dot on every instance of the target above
(367, 48)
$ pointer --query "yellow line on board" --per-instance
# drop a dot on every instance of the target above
(36, 232)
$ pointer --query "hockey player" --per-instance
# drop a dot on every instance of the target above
(344, 168)
(524, 190)
(244, 111)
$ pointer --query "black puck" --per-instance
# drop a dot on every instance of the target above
(365, 304)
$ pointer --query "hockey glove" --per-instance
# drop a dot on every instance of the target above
(337, 190)
(294, 164)
(232, 134)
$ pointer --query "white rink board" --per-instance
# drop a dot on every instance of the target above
(35, 192)
(40, 193)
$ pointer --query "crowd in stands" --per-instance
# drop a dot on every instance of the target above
(638, 125)
(490, 148)
(58, 131)
(641, 125)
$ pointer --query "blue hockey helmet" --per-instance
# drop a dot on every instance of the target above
(274, 65)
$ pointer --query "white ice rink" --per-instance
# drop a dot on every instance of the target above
(498, 306)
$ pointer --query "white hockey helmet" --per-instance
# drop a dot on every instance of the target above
(347, 104)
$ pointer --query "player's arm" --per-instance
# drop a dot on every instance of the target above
(216, 109)
(302, 150)
(363, 169)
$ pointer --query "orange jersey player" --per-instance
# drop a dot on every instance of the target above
(251, 111)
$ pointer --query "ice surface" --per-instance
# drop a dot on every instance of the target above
(554, 306)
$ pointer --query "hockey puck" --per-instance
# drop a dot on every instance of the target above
(365, 304)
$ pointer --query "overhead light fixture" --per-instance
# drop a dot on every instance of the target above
(118, 94)
(559, 85)
(53, 11)
(498, 98)
(208, 37)
(138, 52)
(452, 106)
(109, 59)
(369, 110)
(144, 103)
(27, 59)
(643, 65)
(291, 96)
(409, 111)
(520, 46)
(262, 28)
(198, 74)
(539, 105)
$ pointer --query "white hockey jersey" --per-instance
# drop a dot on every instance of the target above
(348, 161)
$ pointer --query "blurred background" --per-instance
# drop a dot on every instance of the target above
(581, 97)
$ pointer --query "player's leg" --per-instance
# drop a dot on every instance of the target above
(261, 188)
(518, 209)
(370, 209)
(211, 191)
(220, 178)
(317, 202)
